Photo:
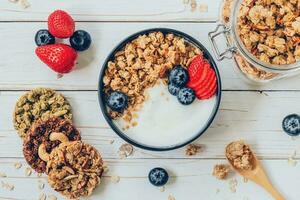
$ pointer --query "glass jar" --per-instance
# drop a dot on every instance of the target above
(247, 64)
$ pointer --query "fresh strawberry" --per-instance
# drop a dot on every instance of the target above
(201, 76)
(207, 81)
(59, 57)
(61, 24)
(207, 88)
(195, 68)
(210, 94)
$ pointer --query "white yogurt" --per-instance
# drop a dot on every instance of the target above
(164, 122)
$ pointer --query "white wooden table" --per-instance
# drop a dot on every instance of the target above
(249, 112)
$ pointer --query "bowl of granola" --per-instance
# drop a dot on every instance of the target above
(263, 37)
(159, 89)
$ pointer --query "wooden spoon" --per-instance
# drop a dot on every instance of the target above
(258, 175)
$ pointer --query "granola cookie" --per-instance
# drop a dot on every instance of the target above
(270, 30)
(142, 63)
(40, 103)
(74, 169)
(39, 134)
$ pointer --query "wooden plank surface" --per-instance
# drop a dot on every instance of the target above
(252, 116)
(23, 70)
(245, 113)
(189, 178)
(112, 10)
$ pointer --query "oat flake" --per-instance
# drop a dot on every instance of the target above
(115, 179)
(17, 165)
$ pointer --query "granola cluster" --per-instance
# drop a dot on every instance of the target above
(248, 69)
(74, 169)
(240, 155)
(40, 103)
(192, 149)
(221, 171)
(39, 134)
(252, 71)
(270, 30)
(141, 63)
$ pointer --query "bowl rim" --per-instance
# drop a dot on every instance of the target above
(101, 95)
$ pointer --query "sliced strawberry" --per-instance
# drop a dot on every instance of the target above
(207, 90)
(209, 95)
(208, 79)
(195, 68)
(201, 77)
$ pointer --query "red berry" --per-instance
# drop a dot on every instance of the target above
(209, 79)
(195, 68)
(201, 76)
(60, 58)
(61, 24)
(209, 89)
(210, 94)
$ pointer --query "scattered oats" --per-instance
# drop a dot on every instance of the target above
(28, 171)
(2, 175)
(105, 168)
(7, 186)
(125, 150)
(17, 165)
(291, 159)
(41, 184)
(171, 197)
(39, 175)
(221, 171)
(52, 197)
(232, 185)
(193, 5)
(245, 180)
(115, 179)
(162, 189)
(294, 138)
(134, 124)
(192, 149)
(42, 196)
(111, 141)
(203, 8)
(24, 4)
(186, 1)
(217, 191)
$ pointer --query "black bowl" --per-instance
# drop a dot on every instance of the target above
(101, 95)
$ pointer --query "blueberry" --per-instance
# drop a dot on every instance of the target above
(173, 89)
(291, 124)
(186, 96)
(80, 40)
(158, 176)
(117, 101)
(44, 37)
(178, 76)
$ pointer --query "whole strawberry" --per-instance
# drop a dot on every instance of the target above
(61, 24)
(59, 57)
